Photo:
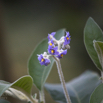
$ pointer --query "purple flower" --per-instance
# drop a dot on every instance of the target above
(42, 60)
(52, 34)
(62, 53)
(67, 38)
(53, 50)
(51, 43)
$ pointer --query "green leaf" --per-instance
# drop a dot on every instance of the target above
(21, 88)
(40, 73)
(99, 49)
(24, 83)
(97, 95)
(92, 32)
(79, 88)
(4, 101)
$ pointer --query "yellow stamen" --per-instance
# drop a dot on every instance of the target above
(61, 55)
(42, 60)
(50, 44)
(67, 38)
(52, 51)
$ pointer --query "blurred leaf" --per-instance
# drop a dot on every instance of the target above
(40, 73)
(4, 101)
(21, 87)
(97, 95)
(79, 89)
(4, 86)
(99, 49)
(92, 32)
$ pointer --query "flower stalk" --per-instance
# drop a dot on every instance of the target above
(56, 49)
(102, 76)
(62, 79)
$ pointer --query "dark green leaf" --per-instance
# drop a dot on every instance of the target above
(92, 32)
(79, 89)
(97, 96)
(40, 73)
(99, 49)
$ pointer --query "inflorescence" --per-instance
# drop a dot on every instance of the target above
(56, 48)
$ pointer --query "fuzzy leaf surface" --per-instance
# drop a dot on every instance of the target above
(92, 32)
(23, 84)
(79, 88)
(97, 95)
(99, 49)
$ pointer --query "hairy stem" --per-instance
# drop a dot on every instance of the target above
(102, 76)
(42, 100)
(62, 79)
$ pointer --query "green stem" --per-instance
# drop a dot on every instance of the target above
(41, 93)
(33, 100)
(62, 79)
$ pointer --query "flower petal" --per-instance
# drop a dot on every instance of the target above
(47, 61)
(52, 34)
(62, 53)
(53, 50)
(40, 57)
(67, 38)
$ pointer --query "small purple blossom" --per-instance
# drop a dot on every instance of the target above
(67, 38)
(64, 52)
(52, 34)
(51, 43)
(42, 60)
(53, 50)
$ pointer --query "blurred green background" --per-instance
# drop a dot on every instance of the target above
(24, 23)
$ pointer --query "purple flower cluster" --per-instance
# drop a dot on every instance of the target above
(57, 48)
